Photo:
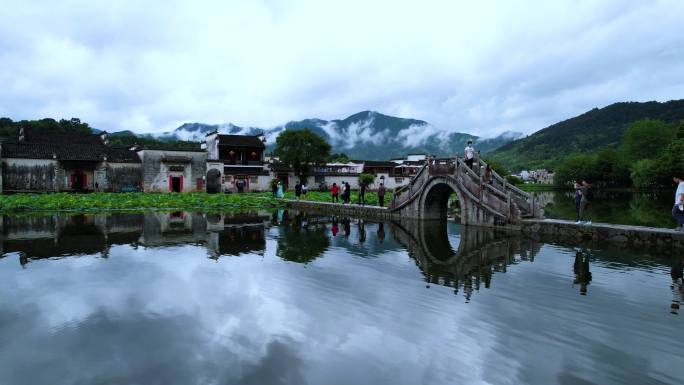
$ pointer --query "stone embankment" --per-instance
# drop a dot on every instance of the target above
(636, 236)
(548, 229)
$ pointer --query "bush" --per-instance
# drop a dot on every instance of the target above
(512, 179)
(366, 179)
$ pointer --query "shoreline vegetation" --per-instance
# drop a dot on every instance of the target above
(138, 201)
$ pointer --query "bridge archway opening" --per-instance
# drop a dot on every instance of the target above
(440, 199)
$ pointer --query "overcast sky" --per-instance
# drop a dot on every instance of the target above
(481, 67)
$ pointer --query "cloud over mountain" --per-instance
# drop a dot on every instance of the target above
(365, 135)
(477, 67)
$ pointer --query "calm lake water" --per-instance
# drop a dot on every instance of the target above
(623, 207)
(287, 298)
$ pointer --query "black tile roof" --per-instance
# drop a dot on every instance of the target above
(72, 151)
(35, 136)
(241, 141)
(376, 163)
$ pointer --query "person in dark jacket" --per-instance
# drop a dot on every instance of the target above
(381, 195)
(362, 194)
(578, 199)
(298, 190)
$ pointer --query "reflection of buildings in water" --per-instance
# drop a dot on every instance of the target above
(237, 234)
(544, 198)
(60, 236)
(479, 254)
(55, 236)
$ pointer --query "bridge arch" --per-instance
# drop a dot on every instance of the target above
(434, 200)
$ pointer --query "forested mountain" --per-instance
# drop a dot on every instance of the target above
(364, 135)
(586, 133)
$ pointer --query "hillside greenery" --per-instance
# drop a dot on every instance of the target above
(9, 129)
(588, 133)
(649, 155)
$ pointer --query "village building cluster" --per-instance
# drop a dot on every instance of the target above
(42, 162)
(537, 176)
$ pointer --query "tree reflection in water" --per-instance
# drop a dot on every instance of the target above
(302, 239)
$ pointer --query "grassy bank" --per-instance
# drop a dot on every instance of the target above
(534, 187)
(147, 201)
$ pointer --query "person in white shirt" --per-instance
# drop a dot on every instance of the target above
(469, 154)
(678, 208)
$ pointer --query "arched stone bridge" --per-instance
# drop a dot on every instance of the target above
(494, 203)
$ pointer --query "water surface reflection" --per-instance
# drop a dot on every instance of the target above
(289, 298)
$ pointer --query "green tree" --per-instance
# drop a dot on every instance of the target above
(497, 166)
(366, 179)
(301, 149)
(647, 138)
(612, 168)
(339, 158)
(574, 167)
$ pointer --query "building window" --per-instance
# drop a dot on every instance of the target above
(398, 180)
(319, 178)
(253, 179)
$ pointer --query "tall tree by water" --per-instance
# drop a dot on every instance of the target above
(301, 149)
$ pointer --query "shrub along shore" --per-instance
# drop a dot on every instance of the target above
(99, 202)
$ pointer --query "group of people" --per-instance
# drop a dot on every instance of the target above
(345, 190)
(301, 189)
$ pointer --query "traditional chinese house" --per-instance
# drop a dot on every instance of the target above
(42, 162)
(173, 170)
(236, 159)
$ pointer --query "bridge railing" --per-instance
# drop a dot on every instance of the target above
(405, 193)
(485, 194)
(524, 200)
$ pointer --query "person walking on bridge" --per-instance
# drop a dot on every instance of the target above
(469, 154)
(678, 208)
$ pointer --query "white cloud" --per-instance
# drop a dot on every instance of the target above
(482, 67)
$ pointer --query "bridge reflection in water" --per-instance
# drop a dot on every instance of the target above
(447, 254)
(470, 264)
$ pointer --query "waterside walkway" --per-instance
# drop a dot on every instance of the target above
(555, 229)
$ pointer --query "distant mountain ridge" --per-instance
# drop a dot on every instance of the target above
(365, 135)
(588, 132)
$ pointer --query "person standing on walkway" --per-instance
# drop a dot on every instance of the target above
(585, 202)
(298, 189)
(678, 208)
(274, 188)
(335, 191)
(280, 193)
(469, 154)
(381, 195)
(305, 189)
(578, 199)
(362, 194)
(347, 193)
